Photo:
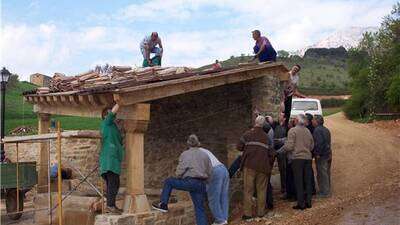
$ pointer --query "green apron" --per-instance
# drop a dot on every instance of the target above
(112, 152)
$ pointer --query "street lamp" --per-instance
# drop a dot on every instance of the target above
(5, 74)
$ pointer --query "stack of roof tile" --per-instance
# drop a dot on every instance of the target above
(116, 76)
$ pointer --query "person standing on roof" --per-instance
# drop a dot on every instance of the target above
(111, 156)
(263, 49)
(149, 45)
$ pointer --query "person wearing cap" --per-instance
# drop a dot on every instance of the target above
(193, 171)
(218, 190)
(299, 145)
(323, 156)
(149, 45)
(263, 49)
(256, 172)
(111, 156)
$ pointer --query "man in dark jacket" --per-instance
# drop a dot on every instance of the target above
(323, 156)
(256, 172)
(280, 135)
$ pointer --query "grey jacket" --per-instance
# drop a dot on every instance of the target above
(300, 143)
(194, 163)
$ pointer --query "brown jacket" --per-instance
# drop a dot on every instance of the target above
(256, 150)
(300, 143)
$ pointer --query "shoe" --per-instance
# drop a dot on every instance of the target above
(247, 218)
(308, 205)
(270, 206)
(160, 207)
(322, 196)
(113, 210)
(222, 223)
(297, 207)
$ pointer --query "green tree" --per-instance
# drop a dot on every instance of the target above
(283, 54)
(373, 67)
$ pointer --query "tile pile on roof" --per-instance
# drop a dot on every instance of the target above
(115, 76)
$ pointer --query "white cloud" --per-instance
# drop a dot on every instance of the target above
(290, 25)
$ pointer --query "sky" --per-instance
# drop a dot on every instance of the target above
(48, 36)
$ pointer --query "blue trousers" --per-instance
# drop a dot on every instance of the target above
(217, 192)
(197, 190)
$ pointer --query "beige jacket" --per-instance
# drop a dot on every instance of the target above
(299, 143)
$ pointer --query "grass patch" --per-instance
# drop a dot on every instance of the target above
(331, 111)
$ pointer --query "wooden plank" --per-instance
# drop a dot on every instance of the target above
(93, 100)
(84, 100)
(49, 100)
(43, 128)
(155, 91)
(47, 136)
(70, 110)
(73, 99)
(64, 99)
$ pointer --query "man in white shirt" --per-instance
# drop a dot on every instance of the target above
(217, 190)
(148, 45)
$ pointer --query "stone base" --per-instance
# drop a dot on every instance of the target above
(178, 214)
(75, 210)
(136, 204)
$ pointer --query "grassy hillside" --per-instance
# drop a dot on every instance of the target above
(20, 113)
(319, 76)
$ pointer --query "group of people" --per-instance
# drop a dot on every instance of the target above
(294, 142)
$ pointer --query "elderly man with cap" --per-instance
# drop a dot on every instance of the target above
(299, 145)
(192, 172)
(256, 167)
(323, 155)
(147, 46)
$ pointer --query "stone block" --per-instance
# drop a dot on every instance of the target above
(75, 209)
(126, 219)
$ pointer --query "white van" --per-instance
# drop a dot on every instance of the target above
(305, 105)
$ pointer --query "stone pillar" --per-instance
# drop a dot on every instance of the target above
(136, 120)
(43, 127)
(266, 95)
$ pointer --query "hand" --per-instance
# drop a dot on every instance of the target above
(317, 156)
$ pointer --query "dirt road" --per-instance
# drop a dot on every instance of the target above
(365, 176)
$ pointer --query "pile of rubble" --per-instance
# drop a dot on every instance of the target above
(113, 75)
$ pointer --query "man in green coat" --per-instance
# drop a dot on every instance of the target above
(111, 156)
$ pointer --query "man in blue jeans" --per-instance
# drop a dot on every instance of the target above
(192, 172)
(218, 190)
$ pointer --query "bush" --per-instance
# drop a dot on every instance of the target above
(332, 102)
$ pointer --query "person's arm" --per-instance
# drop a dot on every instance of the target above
(289, 144)
(160, 44)
(115, 108)
(181, 168)
(209, 169)
(240, 145)
(298, 94)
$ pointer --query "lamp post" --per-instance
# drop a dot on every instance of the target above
(5, 74)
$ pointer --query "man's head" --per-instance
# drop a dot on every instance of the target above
(193, 141)
(256, 34)
(282, 117)
(301, 119)
(105, 112)
(269, 120)
(318, 120)
(296, 68)
(309, 118)
(260, 121)
(154, 36)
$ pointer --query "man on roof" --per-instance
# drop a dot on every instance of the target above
(263, 49)
(148, 46)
